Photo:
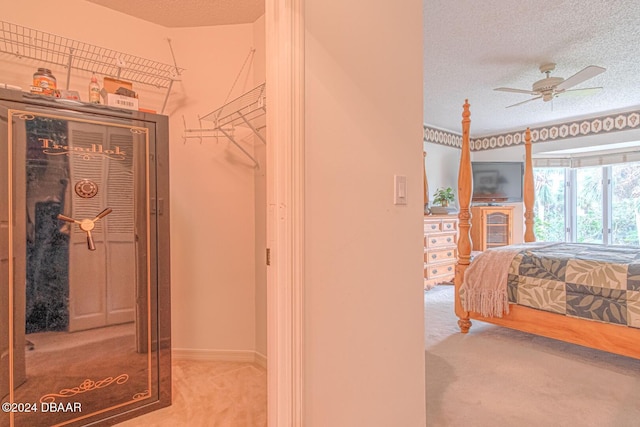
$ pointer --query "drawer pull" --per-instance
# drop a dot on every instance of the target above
(449, 268)
(434, 256)
(448, 239)
(449, 253)
(433, 226)
(448, 225)
(434, 271)
(433, 240)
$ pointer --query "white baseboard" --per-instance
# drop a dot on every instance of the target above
(220, 355)
(260, 359)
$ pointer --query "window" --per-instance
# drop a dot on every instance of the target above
(625, 204)
(589, 204)
(593, 204)
(549, 213)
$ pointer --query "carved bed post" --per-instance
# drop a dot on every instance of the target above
(529, 196)
(465, 185)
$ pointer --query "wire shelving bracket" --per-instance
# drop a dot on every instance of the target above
(24, 42)
(249, 110)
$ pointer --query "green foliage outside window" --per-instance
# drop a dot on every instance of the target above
(549, 208)
(549, 204)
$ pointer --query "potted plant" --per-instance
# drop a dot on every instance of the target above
(444, 196)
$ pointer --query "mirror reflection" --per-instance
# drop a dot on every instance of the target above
(81, 297)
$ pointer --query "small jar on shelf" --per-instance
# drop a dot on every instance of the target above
(44, 82)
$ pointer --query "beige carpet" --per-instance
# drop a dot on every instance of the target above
(495, 376)
(212, 394)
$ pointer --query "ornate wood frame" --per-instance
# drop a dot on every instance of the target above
(602, 336)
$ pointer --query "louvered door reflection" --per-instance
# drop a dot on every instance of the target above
(84, 263)
(99, 295)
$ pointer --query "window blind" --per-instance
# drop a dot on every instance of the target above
(551, 163)
(588, 161)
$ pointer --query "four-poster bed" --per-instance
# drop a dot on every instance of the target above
(614, 338)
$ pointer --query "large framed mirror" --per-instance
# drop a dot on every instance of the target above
(84, 296)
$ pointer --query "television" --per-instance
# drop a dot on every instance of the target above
(497, 182)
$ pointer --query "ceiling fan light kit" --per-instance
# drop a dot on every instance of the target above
(551, 87)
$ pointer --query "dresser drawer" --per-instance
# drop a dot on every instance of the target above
(439, 240)
(432, 226)
(433, 256)
(439, 270)
(449, 224)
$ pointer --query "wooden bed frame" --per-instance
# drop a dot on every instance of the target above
(616, 339)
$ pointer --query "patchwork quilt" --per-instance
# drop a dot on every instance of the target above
(590, 281)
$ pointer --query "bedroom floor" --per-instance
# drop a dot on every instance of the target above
(496, 376)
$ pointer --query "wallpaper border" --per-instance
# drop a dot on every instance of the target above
(585, 127)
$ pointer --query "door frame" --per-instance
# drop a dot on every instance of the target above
(284, 24)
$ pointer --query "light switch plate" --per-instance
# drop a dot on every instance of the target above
(400, 190)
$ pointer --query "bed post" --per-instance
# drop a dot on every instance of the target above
(529, 196)
(465, 185)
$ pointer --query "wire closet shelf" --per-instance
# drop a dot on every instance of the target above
(24, 42)
(249, 109)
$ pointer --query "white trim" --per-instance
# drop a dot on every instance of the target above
(284, 22)
(260, 359)
(207, 355)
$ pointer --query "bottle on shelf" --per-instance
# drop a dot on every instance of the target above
(44, 82)
(94, 90)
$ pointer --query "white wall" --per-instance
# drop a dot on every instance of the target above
(212, 191)
(213, 204)
(363, 327)
(441, 166)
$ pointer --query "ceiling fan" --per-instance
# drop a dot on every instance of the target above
(551, 87)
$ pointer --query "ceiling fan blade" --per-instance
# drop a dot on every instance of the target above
(577, 92)
(509, 89)
(524, 102)
(581, 76)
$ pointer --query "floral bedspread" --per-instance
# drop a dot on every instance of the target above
(590, 281)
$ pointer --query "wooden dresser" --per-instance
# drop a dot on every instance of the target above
(440, 248)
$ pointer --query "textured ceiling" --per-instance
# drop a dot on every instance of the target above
(189, 13)
(472, 47)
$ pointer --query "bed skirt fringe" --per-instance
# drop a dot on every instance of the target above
(487, 302)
